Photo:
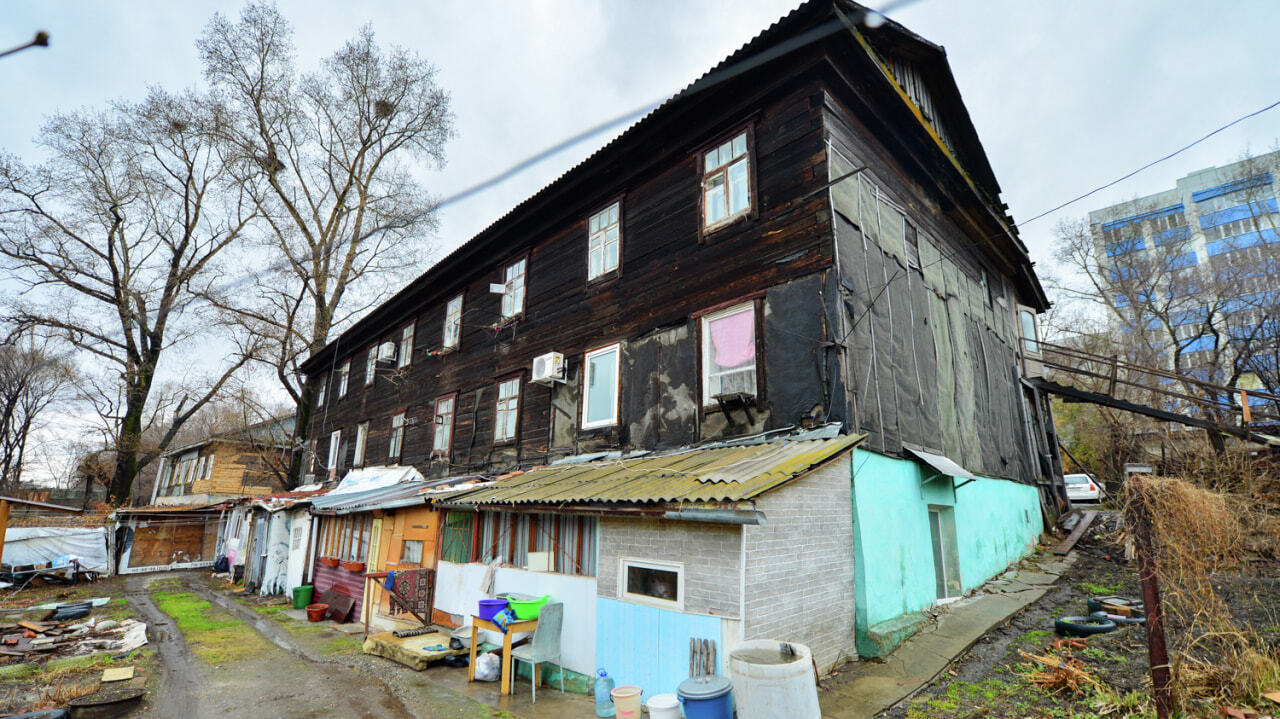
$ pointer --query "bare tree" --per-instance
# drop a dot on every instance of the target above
(112, 239)
(31, 381)
(326, 157)
(1210, 316)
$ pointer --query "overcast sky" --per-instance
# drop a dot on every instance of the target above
(1065, 96)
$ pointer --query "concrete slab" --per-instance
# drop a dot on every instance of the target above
(866, 688)
(298, 614)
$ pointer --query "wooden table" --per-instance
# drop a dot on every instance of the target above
(523, 625)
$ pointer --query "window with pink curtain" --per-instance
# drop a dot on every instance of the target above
(729, 352)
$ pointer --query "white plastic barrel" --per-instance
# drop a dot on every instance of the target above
(770, 683)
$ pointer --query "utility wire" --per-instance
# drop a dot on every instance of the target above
(1151, 164)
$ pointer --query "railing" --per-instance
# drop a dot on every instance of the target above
(1124, 380)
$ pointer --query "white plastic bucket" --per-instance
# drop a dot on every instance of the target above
(664, 706)
(769, 683)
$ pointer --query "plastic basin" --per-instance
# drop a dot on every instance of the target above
(528, 608)
(302, 596)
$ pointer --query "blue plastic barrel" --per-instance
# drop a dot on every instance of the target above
(708, 697)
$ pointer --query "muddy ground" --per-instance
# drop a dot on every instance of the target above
(992, 679)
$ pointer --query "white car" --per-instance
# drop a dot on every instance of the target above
(1082, 488)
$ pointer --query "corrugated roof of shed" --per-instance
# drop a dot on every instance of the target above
(722, 474)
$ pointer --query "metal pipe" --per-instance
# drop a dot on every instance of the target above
(718, 516)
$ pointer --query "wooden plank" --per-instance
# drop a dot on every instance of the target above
(1081, 527)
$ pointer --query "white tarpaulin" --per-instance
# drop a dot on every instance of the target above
(57, 545)
(363, 480)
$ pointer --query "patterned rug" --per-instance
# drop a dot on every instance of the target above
(416, 588)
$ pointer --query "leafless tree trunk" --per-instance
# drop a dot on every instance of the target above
(31, 380)
(112, 240)
(326, 158)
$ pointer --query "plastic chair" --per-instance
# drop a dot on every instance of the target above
(544, 647)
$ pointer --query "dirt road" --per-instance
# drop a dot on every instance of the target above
(278, 680)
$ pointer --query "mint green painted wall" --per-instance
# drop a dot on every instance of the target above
(997, 522)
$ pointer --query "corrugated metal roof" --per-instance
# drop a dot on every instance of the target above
(721, 474)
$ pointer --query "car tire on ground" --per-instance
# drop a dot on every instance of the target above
(1082, 626)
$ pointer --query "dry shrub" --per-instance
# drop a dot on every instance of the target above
(1198, 532)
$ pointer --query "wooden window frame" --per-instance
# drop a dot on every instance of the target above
(404, 355)
(332, 461)
(320, 390)
(445, 344)
(705, 230)
(344, 378)
(707, 402)
(360, 449)
(396, 442)
(605, 274)
(613, 419)
(524, 289)
(447, 451)
(497, 403)
(371, 365)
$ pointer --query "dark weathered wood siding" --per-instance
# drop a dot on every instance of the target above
(669, 274)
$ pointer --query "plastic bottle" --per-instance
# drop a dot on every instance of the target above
(604, 700)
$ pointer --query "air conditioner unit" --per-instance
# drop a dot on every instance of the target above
(387, 352)
(548, 368)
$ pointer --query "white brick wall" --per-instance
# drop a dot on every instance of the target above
(711, 554)
(799, 582)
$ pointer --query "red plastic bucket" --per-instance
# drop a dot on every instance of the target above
(316, 612)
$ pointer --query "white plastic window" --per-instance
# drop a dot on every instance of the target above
(600, 387)
(648, 582)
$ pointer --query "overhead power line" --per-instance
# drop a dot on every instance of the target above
(1151, 164)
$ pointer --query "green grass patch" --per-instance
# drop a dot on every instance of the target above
(1096, 589)
(214, 635)
(165, 585)
(1035, 636)
(345, 644)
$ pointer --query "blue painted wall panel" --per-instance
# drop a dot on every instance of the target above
(649, 647)
(997, 522)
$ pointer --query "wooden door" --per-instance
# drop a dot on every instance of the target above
(372, 563)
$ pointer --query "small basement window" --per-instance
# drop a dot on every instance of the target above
(657, 583)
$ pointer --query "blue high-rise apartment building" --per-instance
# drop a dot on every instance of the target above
(1194, 269)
